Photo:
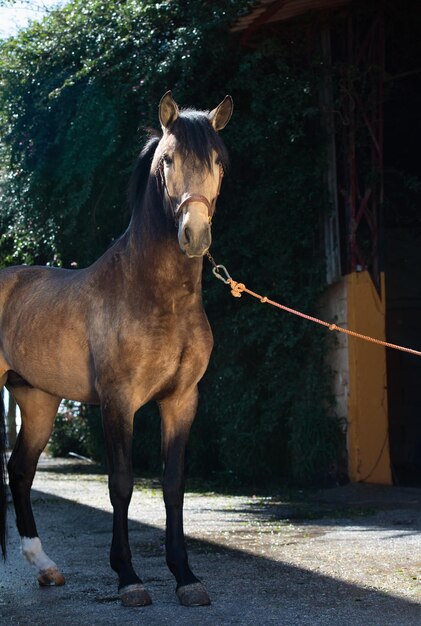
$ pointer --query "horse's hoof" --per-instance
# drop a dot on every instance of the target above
(51, 577)
(193, 595)
(134, 595)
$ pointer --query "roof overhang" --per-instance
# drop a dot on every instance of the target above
(269, 11)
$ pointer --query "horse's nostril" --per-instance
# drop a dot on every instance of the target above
(195, 239)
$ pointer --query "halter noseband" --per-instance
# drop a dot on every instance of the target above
(194, 197)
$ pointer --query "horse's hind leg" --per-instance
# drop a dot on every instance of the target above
(38, 410)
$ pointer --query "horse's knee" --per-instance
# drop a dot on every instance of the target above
(121, 487)
(20, 474)
(173, 490)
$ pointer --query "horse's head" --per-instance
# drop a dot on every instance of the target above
(190, 161)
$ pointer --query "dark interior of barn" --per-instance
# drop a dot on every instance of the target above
(402, 235)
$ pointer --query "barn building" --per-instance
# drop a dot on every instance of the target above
(372, 235)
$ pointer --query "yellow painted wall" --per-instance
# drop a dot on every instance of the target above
(368, 442)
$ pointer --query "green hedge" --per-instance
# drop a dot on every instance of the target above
(72, 432)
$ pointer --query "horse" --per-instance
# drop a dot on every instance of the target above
(128, 329)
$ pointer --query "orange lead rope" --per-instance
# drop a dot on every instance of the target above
(237, 289)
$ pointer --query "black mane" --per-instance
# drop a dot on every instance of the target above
(140, 175)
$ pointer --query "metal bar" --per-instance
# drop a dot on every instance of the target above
(352, 170)
(370, 125)
(363, 207)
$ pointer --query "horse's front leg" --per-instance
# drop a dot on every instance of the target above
(177, 417)
(118, 430)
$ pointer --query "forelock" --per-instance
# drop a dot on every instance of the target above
(197, 139)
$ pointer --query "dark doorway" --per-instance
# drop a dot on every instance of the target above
(402, 178)
(403, 326)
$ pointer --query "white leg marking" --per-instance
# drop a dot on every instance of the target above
(33, 552)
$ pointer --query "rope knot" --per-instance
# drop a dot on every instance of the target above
(236, 288)
(333, 327)
(263, 300)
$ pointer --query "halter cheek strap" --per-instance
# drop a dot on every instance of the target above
(194, 197)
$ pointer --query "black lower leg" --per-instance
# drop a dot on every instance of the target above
(177, 417)
(118, 437)
(176, 553)
(120, 554)
(173, 488)
(21, 468)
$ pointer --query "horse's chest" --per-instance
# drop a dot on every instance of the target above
(171, 347)
(166, 352)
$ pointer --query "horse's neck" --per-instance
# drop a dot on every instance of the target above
(155, 271)
(163, 263)
(153, 251)
(147, 265)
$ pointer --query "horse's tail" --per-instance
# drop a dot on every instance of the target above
(3, 494)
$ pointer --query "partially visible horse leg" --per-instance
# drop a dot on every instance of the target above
(118, 430)
(3, 493)
(38, 410)
(177, 417)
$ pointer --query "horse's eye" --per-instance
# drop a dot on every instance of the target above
(167, 159)
(218, 161)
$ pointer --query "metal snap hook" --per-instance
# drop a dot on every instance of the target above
(216, 273)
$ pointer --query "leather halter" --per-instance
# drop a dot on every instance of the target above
(194, 197)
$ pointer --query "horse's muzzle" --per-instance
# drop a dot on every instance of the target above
(195, 242)
(194, 229)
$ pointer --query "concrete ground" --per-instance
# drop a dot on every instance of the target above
(345, 556)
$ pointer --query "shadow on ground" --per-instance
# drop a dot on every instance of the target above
(246, 588)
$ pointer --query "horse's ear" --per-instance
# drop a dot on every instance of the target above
(168, 110)
(220, 116)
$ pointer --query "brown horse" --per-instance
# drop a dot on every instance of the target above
(127, 329)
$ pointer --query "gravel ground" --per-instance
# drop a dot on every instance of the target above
(345, 556)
